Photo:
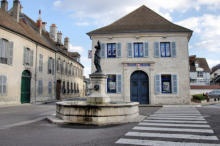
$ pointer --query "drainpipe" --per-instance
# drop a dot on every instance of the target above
(55, 74)
(35, 76)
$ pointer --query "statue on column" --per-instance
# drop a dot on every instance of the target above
(97, 58)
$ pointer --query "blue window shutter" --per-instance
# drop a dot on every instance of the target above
(1, 85)
(129, 45)
(118, 49)
(174, 84)
(156, 50)
(146, 49)
(31, 58)
(53, 67)
(119, 83)
(173, 47)
(157, 84)
(102, 50)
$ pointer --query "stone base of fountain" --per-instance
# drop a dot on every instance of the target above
(98, 109)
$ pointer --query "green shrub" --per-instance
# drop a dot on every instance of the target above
(199, 97)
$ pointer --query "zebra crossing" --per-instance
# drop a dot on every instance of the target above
(172, 126)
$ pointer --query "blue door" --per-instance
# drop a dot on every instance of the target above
(139, 84)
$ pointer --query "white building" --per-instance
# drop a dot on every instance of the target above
(199, 71)
(145, 57)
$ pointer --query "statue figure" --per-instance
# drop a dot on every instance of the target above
(97, 58)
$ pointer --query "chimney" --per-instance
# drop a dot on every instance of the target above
(53, 32)
(4, 5)
(66, 43)
(39, 23)
(59, 37)
(44, 26)
(16, 10)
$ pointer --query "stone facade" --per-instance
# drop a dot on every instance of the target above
(31, 54)
(126, 63)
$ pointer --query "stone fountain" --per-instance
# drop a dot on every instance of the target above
(98, 108)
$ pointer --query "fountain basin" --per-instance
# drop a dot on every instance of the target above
(83, 112)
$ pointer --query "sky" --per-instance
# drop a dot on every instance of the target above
(77, 17)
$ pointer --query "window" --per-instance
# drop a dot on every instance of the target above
(6, 51)
(28, 57)
(200, 74)
(40, 63)
(166, 83)
(68, 85)
(111, 84)
(66, 69)
(165, 49)
(3, 85)
(138, 50)
(62, 67)
(49, 87)
(58, 65)
(71, 87)
(40, 87)
(70, 69)
(63, 88)
(50, 65)
(111, 48)
(77, 88)
(74, 87)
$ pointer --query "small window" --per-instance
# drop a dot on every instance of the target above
(111, 84)
(111, 48)
(3, 85)
(200, 74)
(165, 49)
(138, 50)
(166, 83)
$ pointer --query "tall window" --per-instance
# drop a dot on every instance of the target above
(166, 83)
(68, 89)
(74, 87)
(111, 84)
(3, 85)
(40, 87)
(66, 69)
(111, 48)
(63, 88)
(165, 49)
(71, 87)
(58, 65)
(62, 67)
(28, 57)
(138, 50)
(40, 63)
(50, 65)
(49, 87)
(6, 51)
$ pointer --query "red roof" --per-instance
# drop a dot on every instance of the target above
(205, 87)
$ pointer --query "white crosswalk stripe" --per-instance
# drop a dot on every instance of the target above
(172, 126)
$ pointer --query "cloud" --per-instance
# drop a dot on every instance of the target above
(78, 49)
(207, 29)
(213, 62)
(82, 23)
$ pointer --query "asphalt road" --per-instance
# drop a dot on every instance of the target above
(31, 130)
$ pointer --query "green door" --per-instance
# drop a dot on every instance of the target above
(25, 87)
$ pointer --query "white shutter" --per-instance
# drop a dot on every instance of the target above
(7, 51)
(52, 66)
(24, 55)
(1, 48)
(31, 57)
(119, 83)
(4, 49)
(174, 84)
(10, 59)
(118, 49)
(173, 49)
(129, 50)
(4, 84)
(146, 49)
(157, 84)
(1, 84)
(156, 50)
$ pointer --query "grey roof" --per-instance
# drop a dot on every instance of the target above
(142, 19)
